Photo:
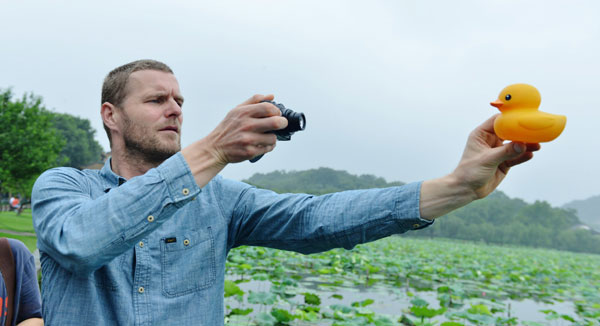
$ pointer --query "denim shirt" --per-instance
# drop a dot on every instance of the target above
(152, 250)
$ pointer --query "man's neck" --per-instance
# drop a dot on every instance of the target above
(129, 165)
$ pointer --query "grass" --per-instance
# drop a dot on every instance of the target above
(21, 223)
(30, 242)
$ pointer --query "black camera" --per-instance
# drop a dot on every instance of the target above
(296, 122)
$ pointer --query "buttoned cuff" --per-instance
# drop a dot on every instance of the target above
(178, 177)
(408, 212)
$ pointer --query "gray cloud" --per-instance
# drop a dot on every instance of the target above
(389, 88)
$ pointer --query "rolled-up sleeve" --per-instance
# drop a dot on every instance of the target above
(83, 231)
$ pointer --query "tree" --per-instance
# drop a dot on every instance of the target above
(29, 143)
(317, 181)
(81, 148)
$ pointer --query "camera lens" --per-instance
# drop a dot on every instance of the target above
(296, 121)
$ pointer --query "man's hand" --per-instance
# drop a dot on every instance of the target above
(484, 164)
(486, 160)
(241, 136)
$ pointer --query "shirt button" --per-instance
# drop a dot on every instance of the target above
(416, 226)
(150, 218)
(141, 244)
(186, 242)
(141, 289)
(185, 191)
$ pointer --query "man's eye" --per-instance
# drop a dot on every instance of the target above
(156, 100)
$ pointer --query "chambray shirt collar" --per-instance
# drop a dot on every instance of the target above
(109, 178)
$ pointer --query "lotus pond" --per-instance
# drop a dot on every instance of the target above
(405, 281)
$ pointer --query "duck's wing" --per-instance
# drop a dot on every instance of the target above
(536, 122)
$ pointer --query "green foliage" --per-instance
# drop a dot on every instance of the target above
(426, 312)
(316, 181)
(363, 303)
(312, 299)
(265, 298)
(480, 309)
(265, 319)
(471, 282)
(420, 308)
(232, 289)
(80, 148)
(241, 312)
(30, 144)
(501, 220)
(282, 316)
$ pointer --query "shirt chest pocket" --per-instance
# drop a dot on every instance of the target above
(188, 262)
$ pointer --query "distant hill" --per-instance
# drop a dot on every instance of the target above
(499, 219)
(496, 219)
(588, 211)
(316, 181)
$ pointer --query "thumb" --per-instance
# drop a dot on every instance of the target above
(507, 152)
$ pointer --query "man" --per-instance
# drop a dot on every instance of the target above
(144, 240)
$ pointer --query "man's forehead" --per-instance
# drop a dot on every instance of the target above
(153, 80)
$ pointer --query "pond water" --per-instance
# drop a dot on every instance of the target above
(396, 301)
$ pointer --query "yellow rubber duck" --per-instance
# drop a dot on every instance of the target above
(520, 119)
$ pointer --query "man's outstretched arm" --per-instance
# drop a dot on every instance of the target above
(485, 162)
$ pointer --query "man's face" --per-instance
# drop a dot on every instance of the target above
(152, 117)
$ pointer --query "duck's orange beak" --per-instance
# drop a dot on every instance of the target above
(497, 103)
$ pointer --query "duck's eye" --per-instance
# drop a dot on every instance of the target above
(508, 97)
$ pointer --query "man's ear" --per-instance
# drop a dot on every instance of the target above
(110, 115)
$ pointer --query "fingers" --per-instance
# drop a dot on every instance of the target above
(257, 98)
(254, 146)
(524, 157)
(256, 107)
(520, 159)
(261, 110)
(245, 131)
(533, 147)
(269, 124)
(265, 140)
(506, 152)
(260, 117)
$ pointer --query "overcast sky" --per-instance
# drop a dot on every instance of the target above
(390, 88)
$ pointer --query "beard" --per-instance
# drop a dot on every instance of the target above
(145, 145)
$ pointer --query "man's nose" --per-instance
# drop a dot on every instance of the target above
(173, 108)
